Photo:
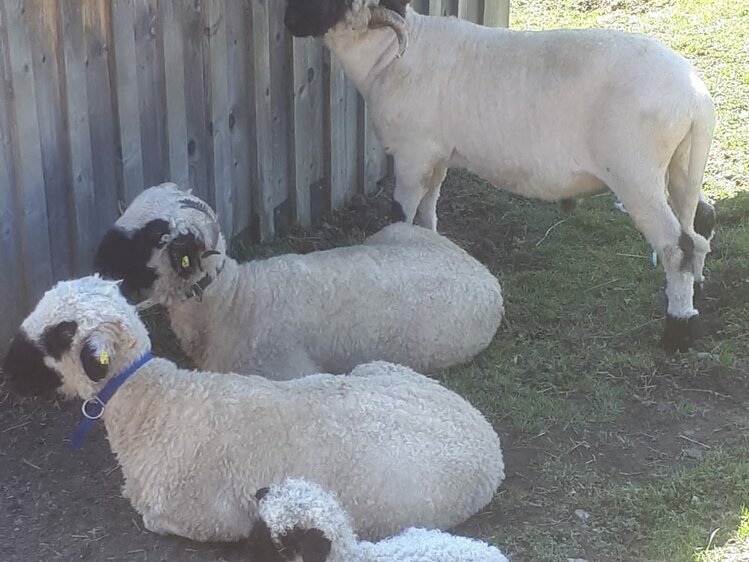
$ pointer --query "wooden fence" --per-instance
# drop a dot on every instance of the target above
(101, 98)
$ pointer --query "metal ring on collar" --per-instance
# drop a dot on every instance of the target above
(94, 400)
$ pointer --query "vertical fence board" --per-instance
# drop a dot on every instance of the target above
(281, 108)
(374, 163)
(43, 25)
(497, 13)
(83, 212)
(436, 8)
(470, 10)
(149, 62)
(263, 116)
(13, 296)
(241, 102)
(198, 143)
(174, 84)
(102, 114)
(219, 113)
(308, 124)
(123, 21)
(27, 157)
(342, 138)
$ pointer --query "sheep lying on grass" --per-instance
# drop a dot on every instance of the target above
(300, 519)
(551, 114)
(396, 447)
(406, 295)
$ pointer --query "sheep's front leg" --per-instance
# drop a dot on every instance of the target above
(676, 249)
(427, 212)
(412, 181)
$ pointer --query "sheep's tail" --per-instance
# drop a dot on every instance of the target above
(687, 171)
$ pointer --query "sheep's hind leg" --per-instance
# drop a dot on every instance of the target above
(427, 212)
(656, 220)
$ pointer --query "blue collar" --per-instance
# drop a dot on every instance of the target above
(93, 408)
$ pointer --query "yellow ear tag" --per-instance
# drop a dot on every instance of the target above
(104, 358)
(185, 262)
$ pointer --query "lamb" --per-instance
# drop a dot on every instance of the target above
(406, 295)
(301, 519)
(396, 447)
(549, 114)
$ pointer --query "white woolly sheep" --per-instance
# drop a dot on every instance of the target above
(300, 519)
(397, 448)
(548, 114)
(406, 295)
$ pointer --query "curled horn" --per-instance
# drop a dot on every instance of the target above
(382, 17)
(214, 233)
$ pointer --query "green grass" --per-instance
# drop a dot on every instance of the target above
(593, 415)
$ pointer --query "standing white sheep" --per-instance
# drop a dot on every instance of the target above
(551, 114)
(405, 295)
(396, 447)
(300, 519)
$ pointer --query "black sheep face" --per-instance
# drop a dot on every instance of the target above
(125, 254)
(157, 247)
(313, 18)
(78, 333)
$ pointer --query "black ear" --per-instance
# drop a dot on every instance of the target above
(260, 544)
(25, 369)
(396, 5)
(91, 364)
(58, 339)
(261, 493)
(123, 255)
(310, 544)
(184, 254)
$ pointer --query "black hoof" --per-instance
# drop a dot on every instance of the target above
(680, 333)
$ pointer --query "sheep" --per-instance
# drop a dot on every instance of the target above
(300, 519)
(545, 114)
(397, 448)
(405, 295)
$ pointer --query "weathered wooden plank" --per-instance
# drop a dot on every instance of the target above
(80, 174)
(174, 83)
(374, 163)
(436, 8)
(308, 124)
(281, 109)
(102, 114)
(263, 117)
(219, 113)
(13, 296)
(199, 152)
(450, 7)
(497, 13)
(470, 10)
(241, 115)
(27, 154)
(42, 23)
(128, 108)
(342, 136)
(149, 64)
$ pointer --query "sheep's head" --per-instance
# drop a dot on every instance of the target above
(314, 18)
(80, 334)
(164, 242)
(301, 521)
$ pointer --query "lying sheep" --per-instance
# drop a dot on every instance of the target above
(406, 295)
(551, 114)
(300, 519)
(396, 447)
